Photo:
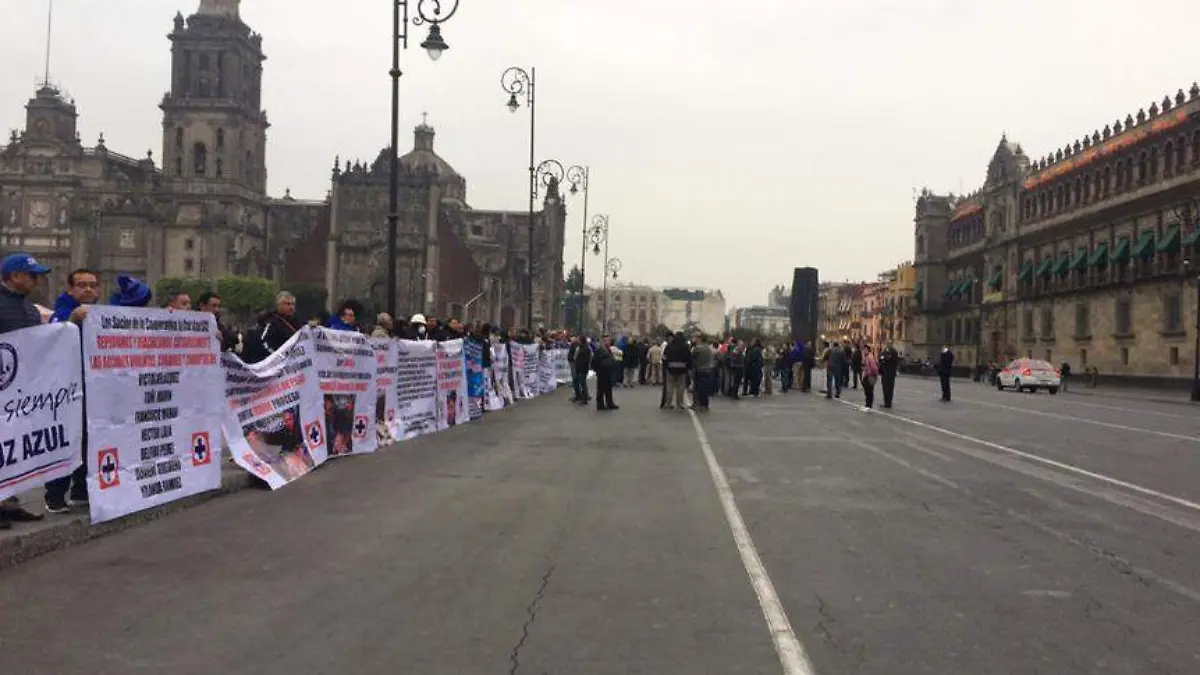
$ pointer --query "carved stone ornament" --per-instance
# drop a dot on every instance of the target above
(39, 214)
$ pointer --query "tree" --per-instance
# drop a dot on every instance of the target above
(310, 299)
(242, 298)
(170, 285)
(574, 282)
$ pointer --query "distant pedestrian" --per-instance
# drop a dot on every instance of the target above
(677, 359)
(835, 371)
(605, 366)
(945, 367)
(869, 374)
(889, 365)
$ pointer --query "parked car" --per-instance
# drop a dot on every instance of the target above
(1029, 375)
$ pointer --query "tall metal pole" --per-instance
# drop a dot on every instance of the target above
(399, 40)
(604, 324)
(583, 250)
(434, 14)
(533, 190)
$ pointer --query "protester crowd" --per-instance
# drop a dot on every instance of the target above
(699, 368)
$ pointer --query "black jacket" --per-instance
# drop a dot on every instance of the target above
(602, 360)
(278, 330)
(17, 312)
(677, 358)
(889, 362)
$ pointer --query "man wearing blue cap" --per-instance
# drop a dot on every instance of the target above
(20, 274)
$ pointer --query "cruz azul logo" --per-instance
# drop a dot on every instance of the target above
(8, 365)
(109, 465)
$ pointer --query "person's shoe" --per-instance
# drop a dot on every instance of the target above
(866, 408)
(79, 499)
(57, 506)
(614, 407)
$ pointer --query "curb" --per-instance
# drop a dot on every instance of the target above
(66, 531)
(1183, 400)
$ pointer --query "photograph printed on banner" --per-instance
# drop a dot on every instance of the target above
(452, 385)
(276, 426)
(346, 368)
(387, 417)
(41, 396)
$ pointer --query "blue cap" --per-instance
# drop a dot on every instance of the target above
(22, 262)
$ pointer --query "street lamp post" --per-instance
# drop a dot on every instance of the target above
(578, 177)
(549, 172)
(515, 81)
(597, 235)
(612, 268)
(430, 12)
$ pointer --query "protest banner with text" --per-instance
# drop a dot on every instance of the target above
(275, 427)
(346, 370)
(41, 404)
(387, 419)
(156, 404)
(452, 385)
(416, 387)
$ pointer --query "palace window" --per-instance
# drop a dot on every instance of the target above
(1152, 168)
(199, 159)
(1083, 320)
(1173, 312)
(1047, 322)
(1123, 316)
(1027, 323)
(1169, 159)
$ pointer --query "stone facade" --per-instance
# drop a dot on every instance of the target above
(767, 320)
(633, 309)
(452, 260)
(205, 212)
(689, 309)
(1082, 257)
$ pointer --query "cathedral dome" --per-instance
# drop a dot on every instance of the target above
(422, 157)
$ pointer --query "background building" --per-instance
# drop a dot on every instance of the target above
(633, 309)
(690, 309)
(205, 213)
(1084, 256)
(770, 321)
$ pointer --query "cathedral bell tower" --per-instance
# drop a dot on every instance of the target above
(214, 128)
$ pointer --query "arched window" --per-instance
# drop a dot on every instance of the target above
(1169, 159)
(1152, 166)
(1143, 168)
(1120, 175)
(1196, 148)
(220, 140)
(199, 159)
(179, 138)
(1106, 182)
(1128, 172)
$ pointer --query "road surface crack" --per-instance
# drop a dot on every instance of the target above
(531, 611)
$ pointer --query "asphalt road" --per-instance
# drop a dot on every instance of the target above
(999, 533)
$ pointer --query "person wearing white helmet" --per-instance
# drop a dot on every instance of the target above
(418, 328)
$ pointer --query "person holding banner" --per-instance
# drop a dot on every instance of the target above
(83, 289)
(20, 274)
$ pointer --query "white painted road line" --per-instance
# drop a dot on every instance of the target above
(1043, 460)
(791, 653)
(1074, 418)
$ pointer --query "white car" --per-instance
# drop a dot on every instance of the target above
(1029, 375)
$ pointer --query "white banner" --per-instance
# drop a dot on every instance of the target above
(502, 372)
(546, 376)
(517, 371)
(156, 403)
(416, 387)
(387, 420)
(529, 370)
(562, 367)
(346, 368)
(41, 392)
(275, 428)
(452, 385)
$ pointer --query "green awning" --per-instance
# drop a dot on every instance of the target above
(1121, 253)
(1026, 271)
(1062, 264)
(1170, 241)
(1099, 256)
(951, 291)
(1144, 248)
(993, 281)
(1043, 270)
(1080, 260)
(1192, 237)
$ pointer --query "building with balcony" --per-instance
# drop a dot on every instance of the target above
(1083, 256)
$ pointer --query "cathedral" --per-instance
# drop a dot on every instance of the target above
(202, 209)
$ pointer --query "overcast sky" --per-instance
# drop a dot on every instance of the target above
(729, 141)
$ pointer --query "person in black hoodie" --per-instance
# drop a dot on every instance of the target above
(754, 368)
(580, 356)
(604, 363)
(856, 365)
(945, 367)
(889, 365)
(677, 360)
(735, 363)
